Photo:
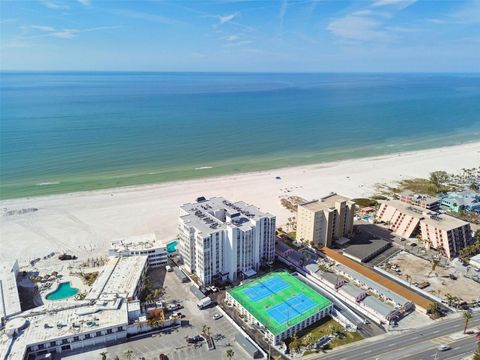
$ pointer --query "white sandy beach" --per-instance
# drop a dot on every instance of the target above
(84, 223)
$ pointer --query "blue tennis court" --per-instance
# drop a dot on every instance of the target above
(290, 308)
(265, 288)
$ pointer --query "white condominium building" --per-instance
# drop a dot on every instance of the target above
(224, 240)
(146, 244)
(322, 221)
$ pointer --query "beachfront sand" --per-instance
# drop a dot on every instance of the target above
(84, 223)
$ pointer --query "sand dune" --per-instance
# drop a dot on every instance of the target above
(85, 222)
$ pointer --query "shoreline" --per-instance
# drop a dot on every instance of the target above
(84, 223)
(318, 165)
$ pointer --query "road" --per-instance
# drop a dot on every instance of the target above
(414, 344)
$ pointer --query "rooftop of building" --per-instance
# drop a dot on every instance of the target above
(379, 306)
(326, 202)
(362, 247)
(9, 298)
(372, 284)
(214, 214)
(378, 279)
(444, 222)
(420, 197)
(412, 210)
(57, 320)
(124, 278)
(138, 243)
(463, 198)
(268, 297)
(119, 276)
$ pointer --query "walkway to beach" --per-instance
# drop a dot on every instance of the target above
(421, 302)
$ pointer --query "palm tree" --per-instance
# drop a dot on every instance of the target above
(206, 330)
(104, 355)
(116, 357)
(466, 316)
(129, 354)
(409, 279)
(449, 298)
(433, 309)
(229, 353)
(295, 343)
(476, 354)
(435, 263)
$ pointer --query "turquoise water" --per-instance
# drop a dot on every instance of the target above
(172, 247)
(63, 291)
(63, 132)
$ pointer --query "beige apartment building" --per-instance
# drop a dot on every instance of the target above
(437, 231)
(325, 220)
(446, 232)
(402, 218)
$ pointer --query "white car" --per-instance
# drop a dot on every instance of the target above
(443, 348)
(217, 316)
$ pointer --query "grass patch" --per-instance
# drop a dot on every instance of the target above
(292, 235)
(90, 278)
(424, 186)
(365, 202)
(326, 327)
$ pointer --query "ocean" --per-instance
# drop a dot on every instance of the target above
(72, 131)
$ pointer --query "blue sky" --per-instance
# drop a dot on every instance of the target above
(242, 35)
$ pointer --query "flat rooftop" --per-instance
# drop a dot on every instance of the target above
(375, 277)
(214, 214)
(412, 210)
(326, 202)
(57, 320)
(119, 276)
(9, 298)
(138, 242)
(420, 197)
(279, 300)
(444, 222)
(364, 248)
(124, 277)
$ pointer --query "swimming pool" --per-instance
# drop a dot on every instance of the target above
(172, 247)
(63, 291)
(367, 218)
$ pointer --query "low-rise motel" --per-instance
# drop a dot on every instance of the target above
(279, 303)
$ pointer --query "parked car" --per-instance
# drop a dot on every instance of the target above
(173, 307)
(443, 348)
(194, 339)
(163, 357)
(217, 316)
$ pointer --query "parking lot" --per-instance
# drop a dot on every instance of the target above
(174, 344)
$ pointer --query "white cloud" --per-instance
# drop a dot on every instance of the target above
(6, 21)
(360, 28)
(145, 16)
(64, 33)
(283, 10)
(53, 5)
(369, 23)
(402, 4)
(223, 19)
(469, 13)
(85, 2)
(231, 38)
(42, 28)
